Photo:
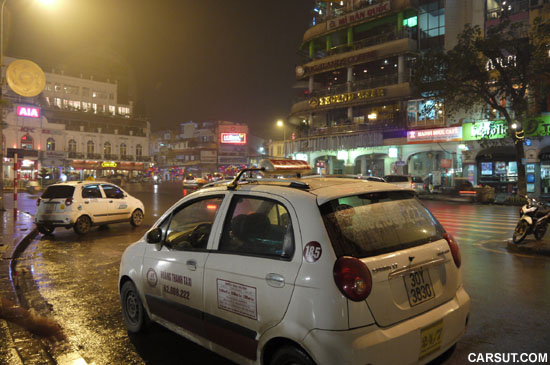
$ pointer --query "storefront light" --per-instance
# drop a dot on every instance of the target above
(301, 156)
(392, 152)
(372, 116)
(342, 155)
(463, 147)
(514, 125)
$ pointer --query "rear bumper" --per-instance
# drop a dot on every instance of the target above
(398, 344)
(56, 220)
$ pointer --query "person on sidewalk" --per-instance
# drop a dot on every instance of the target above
(41, 326)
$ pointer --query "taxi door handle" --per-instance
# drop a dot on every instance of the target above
(275, 280)
(110, 201)
(191, 265)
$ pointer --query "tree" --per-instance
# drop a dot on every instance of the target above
(505, 70)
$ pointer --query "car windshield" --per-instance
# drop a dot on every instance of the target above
(375, 223)
(58, 191)
(417, 179)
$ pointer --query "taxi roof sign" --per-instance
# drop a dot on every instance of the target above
(284, 166)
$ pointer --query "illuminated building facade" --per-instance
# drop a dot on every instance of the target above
(75, 128)
(355, 111)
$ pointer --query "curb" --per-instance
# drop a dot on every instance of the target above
(536, 247)
(18, 248)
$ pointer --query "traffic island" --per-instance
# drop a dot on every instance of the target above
(531, 246)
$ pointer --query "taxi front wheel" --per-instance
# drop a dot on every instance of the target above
(288, 355)
(135, 316)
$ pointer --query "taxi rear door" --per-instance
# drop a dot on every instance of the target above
(250, 274)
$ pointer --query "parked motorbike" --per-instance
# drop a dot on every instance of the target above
(534, 219)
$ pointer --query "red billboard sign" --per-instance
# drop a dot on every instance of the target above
(233, 138)
(28, 111)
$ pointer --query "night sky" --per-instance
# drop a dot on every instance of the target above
(178, 60)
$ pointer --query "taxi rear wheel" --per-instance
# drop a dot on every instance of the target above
(135, 316)
(289, 355)
(137, 218)
(82, 225)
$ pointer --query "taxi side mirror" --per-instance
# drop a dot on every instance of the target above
(154, 235)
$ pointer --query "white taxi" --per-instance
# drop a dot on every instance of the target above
(83, 204)
(302, 271)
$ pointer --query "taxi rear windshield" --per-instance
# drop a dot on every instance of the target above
(376, 223)
(58, 192)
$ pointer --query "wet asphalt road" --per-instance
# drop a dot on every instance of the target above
(77, 276)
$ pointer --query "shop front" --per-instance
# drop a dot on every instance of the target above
(83, 169)
(498, 169)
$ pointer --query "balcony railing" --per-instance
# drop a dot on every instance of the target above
(75, 154)
(93, 156)
(336, 12)
(511, 7)
(109, 156)
(126, 158)
(143, 158)
(396, 122)
(368, 83)
(362, 43)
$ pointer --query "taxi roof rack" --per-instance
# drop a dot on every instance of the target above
(285, 182)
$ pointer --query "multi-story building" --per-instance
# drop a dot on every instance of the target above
(202, 148)
(74, 128)
(357, 112)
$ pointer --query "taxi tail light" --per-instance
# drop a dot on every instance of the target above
(38, 202)
(453, 246)
(412, 185)
(68, 201)
(353, 278)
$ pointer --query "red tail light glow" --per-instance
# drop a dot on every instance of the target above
(412, 185)
(68, 201)
(38, 202)
(353, 278)
(453, 246)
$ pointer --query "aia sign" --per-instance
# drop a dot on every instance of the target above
(28, 111)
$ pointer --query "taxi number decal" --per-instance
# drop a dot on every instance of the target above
(312, 252)
(176, 292)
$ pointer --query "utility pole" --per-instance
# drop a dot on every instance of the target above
(1, 105)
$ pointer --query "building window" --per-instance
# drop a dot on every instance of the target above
(58, 87)
(71, 89)
(90, 147)
(123, 149)
(27, 142)
(85, 91)
(57, 102)
(112, 109)
(431, 20)
(107, 148)
(72, 145)
(139, 150)
(50, 144)
(48, 86)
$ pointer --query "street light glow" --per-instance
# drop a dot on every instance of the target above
(48, 2)
(280, 123)
(514, 126)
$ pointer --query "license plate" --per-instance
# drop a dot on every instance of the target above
(430, 339)
(419, 286)
(50, 207)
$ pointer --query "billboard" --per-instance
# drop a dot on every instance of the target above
(233, 138)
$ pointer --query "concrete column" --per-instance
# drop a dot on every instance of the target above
(310, 85)
(350, 36)
(400, 21)
(401, 69)
(349, 78)
(330, 161)
(350, 113)
(311, 50)
(363, 165)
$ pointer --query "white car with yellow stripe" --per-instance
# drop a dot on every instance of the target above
(302, 271)
(83, 204)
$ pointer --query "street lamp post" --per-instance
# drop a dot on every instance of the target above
(1, 106)
(280, 123)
